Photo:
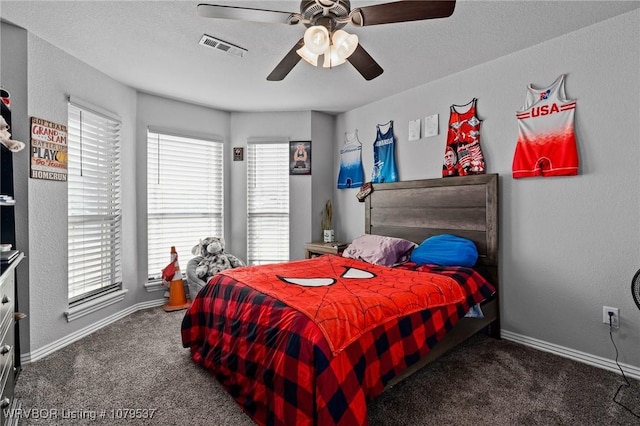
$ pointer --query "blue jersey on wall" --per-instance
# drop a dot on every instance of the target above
(384, 156)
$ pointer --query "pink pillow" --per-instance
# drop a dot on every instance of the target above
(379, 250)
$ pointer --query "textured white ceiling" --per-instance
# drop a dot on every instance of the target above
(153, 47)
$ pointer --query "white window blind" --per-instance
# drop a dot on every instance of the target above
(184, 196)
(267, 203)
(94, 208)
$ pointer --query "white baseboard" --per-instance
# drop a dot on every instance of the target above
(77, 335)
(586, 358)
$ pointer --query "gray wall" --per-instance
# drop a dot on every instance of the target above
(53, 75)
(324, 179)
(568, 245)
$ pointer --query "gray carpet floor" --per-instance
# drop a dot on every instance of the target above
(139, 363)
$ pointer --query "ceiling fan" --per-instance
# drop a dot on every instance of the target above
(324, 36)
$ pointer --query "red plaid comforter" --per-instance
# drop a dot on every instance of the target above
(278, 366)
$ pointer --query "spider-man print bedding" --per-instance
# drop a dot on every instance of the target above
(282, 343)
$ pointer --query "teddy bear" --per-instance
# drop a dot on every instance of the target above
(5, 137)
(214, 259)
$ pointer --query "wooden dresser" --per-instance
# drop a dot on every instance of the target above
(7, 346)
(9, 260)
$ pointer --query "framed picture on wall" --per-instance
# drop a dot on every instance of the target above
(300, 157)
(238, 153)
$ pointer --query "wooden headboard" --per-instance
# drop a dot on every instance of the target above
(466, 206)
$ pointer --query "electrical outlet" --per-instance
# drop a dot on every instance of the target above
(615, 319)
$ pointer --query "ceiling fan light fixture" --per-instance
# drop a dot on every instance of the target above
(332, 59)
(344, 44)
(324, 19)
(316, 39)
(308, 55)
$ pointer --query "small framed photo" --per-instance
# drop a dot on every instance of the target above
(300, 157)
(238, 153)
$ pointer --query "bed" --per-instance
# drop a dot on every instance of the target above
(276, 351)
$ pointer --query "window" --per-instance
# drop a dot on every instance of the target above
(267, 203)
(184, 196)
(94, 208)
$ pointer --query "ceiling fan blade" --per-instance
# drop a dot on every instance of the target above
(365, 64)
(247, 14)
(401, 11)
(287, 63)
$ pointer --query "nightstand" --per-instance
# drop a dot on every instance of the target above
(319, 248)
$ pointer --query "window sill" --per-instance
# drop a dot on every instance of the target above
(94, 305)
(155, 285)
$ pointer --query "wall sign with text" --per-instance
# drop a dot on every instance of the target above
(48, 150)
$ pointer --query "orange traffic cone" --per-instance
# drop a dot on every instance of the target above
(177, 298)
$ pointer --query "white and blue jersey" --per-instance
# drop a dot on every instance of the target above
(384, 156)
(351, 171)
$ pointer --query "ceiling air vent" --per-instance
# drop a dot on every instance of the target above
(216, 43)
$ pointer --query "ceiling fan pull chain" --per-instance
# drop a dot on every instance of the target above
(296, 18)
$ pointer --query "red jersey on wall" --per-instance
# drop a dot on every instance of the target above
(546, 139)
(463, 155)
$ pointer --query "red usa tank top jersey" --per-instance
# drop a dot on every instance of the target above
(546, 143)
